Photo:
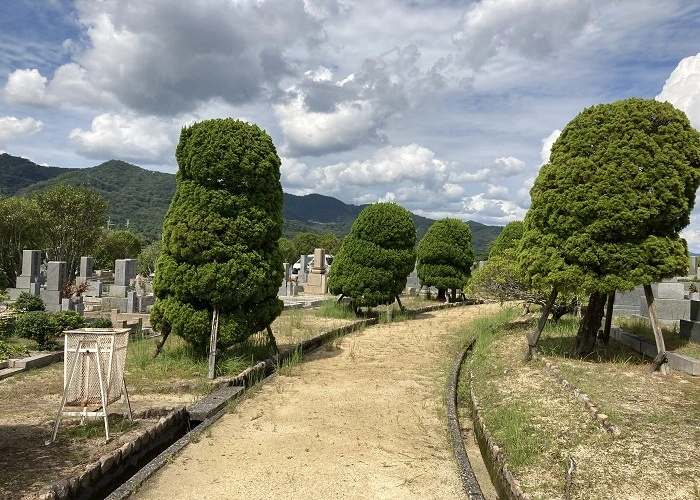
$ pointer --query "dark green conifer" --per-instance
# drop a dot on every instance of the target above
(377, 256)
(445, 255)
(220, 235)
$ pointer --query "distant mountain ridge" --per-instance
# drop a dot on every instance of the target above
(142, 198)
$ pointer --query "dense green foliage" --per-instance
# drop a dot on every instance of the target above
(68, 320)
(376, 257)
(147, 259)
(100, 323)
(607, 209)
(20, 229)
(71, 222)
(38, 326)
(220, 236)
(28, 302)
(113, 245)
(305, 243)
(445, 255)
(509, 238)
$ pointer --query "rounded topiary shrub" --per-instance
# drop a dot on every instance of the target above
(376, 257)
(28, 302)
(445, 255)
(220, 235)
(38, 326)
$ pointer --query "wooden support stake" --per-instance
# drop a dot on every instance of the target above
(660, 361)
(212, 344)
(534, 337)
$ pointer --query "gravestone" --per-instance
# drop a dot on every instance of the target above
(303, 270)
(124, 271)
(56, 278)
(317, 281)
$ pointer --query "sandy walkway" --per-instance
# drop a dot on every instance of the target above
(363, 419)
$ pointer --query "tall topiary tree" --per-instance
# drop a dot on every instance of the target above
(377, 256)
(220, 235)
(608, 208)
(445, 255)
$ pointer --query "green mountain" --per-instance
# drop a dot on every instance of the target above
(17, 173)
(140, 198)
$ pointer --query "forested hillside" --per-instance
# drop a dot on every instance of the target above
(141, 198)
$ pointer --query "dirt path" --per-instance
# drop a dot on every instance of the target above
(364, 418)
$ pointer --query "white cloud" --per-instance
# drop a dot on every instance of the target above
(143, 139)
(12, 128)
(682, 89)
(316, 132)
(530, 28)
(26, 86)
(509, 165)
(547, 143)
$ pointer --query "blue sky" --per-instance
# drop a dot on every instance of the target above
(446, 107)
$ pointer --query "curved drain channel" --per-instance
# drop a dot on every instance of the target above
(466, 473)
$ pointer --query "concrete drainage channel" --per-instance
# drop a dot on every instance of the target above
(121, 472)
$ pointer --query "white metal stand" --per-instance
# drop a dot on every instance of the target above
(87, 350)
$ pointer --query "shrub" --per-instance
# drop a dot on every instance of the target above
(28, 302)
(38, 326)
(68, 320)
(445, 255)
(100, 323)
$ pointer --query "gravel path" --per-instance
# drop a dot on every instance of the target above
(363, 418)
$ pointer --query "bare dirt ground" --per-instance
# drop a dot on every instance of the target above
(363, 417)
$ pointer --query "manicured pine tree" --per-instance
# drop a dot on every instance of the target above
(220, 236)
(608, 208)
(445, 256)
(377, 256)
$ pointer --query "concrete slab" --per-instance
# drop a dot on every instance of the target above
(213, 403)
(684, 363)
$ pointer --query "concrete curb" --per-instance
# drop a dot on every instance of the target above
(466, 473)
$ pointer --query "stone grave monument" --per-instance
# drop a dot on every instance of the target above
(317, 281)
(30, 280)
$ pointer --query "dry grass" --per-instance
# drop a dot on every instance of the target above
(541, 425)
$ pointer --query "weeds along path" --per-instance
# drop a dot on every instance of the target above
(361, 418)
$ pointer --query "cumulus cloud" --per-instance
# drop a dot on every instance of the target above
(12, 128)
(682, 88)
(509, 165)
(140, 139)
(26, 86)
(547, 143)
(319, 115)
(531, 28)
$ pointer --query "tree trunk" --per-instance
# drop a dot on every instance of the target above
(165, 331)
(608, 317)
(271, 340)
(534, 337)
(441, 294)
(213, 340)
(660, 361)
(590, 324)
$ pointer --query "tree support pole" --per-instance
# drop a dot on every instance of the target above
(212, 344)
(660, 361)
(608, 317)
(399, 302)
(533, 338)
(271, 339)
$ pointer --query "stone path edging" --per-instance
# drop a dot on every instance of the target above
(506, 484)
(599, 417)
(466, 473)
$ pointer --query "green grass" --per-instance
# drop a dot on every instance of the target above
(334, 309)
(672, 336)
